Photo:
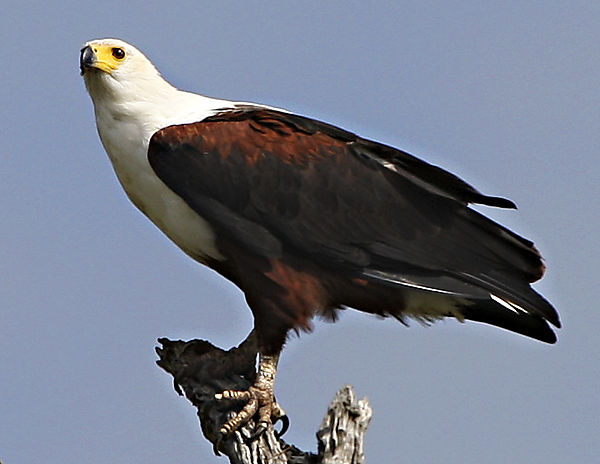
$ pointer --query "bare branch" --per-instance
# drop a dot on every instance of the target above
(200, 370)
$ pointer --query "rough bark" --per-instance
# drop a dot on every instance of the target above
(200, 370)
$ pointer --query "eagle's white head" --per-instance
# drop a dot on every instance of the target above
(115, 70)
(126, 88)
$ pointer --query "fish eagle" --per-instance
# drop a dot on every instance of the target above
(304, 217)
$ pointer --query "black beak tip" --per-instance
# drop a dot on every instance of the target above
(86, 58)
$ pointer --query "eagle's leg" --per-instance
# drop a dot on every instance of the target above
(259, 397)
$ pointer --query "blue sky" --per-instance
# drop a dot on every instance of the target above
(504, 94)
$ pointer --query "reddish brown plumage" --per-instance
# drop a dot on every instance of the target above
(311, 218)
(262, 135)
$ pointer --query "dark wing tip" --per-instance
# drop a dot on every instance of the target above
(547, 335)
(530, 325)
(498, 202)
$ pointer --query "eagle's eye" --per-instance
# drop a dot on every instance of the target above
(118, 53)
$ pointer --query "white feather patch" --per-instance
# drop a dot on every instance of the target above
(508, 304)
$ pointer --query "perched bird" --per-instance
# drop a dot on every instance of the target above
(304, 217)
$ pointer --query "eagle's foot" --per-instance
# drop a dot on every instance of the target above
(259, 398)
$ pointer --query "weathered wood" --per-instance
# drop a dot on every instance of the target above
(200, 370)
(343, 429)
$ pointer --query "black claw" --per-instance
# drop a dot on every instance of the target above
(260, 429)
(285, 425)
(217, 444)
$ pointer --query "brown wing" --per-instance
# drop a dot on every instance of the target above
(272, 181)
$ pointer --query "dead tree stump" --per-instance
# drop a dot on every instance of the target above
(200, 370)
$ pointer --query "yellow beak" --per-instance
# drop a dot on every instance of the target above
(97, 57)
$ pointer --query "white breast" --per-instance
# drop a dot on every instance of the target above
(126, 142)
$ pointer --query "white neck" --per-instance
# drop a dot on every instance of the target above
(149, 104)
(127, 115)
